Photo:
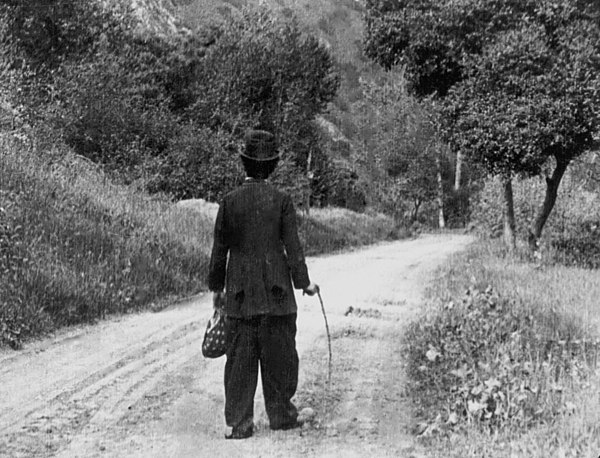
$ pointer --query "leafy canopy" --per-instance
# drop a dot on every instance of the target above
(169, 110)
(519, 78)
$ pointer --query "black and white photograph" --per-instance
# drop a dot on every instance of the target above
(299, 228)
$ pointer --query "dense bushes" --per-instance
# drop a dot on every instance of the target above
(264, 71)
(169, 108)
(580, 246)
(198, 162)
(496, 363)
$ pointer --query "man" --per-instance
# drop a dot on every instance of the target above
(256, 255)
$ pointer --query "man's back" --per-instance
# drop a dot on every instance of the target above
(256, 225)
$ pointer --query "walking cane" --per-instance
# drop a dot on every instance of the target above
(328, 338)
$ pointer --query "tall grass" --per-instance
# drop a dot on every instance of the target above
(553, 314)
(77, 246)
(332, 229)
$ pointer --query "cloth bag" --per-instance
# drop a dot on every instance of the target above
(216, 337)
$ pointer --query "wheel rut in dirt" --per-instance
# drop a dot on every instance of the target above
(72, 407)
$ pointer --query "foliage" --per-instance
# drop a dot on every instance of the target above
(571, 234)
(198, 162)
(413, 34)
(104, 116)
(75, 247)
(47, 33)
(544, 92)
(332, 229)
(566, 299)
(580, 247)
(130, 100)
(339, 185)
(519, 79)
(496, 363)
(402, 143)
(265, 71)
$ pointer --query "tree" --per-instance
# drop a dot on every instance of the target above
(402, 144)
(519, 79)
(170, 110)
(263, 70)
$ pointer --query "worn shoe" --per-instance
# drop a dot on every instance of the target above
(237, 434)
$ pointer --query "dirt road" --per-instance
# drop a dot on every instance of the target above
(137, 386)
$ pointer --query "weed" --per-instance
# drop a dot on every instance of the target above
(510, 374)
(497, 363)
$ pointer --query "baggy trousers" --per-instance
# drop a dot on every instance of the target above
(268, 341)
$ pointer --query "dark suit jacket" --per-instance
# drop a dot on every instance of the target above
(256, 226)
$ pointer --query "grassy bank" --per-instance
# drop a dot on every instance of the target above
(75, 247)
(509, 369)
(327, 230)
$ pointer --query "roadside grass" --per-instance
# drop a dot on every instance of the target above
(510, 367)
(326, 230)
(75, 246)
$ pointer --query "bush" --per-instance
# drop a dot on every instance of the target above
(495, 363)
(173, 107)
(580, 246)
(339, 186)
(197, 163)
(571, 233)
(264, 71)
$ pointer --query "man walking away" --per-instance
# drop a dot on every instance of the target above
(256, 257)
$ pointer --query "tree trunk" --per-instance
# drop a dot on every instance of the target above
(510, 239)
(458, 172)
(552, 184)
(309, 175)
(440, 193)
(415, 212)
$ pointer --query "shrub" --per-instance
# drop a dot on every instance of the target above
(580, 246)
(140, 104)
(496, 363)
(198, 163)
(339, 186)
(571, 233)
(265, 71)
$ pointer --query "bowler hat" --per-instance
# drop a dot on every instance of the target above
(260, 146)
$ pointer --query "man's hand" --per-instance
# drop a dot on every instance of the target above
(218, 300)
(311, 289)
